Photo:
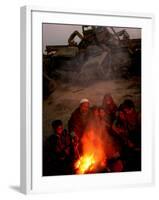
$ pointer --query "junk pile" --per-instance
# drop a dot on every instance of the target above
(100, 53)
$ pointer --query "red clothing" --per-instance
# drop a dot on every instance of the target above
(78, 122)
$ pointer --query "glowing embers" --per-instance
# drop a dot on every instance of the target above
(85, 164)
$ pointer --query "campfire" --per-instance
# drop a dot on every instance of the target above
(93, 158)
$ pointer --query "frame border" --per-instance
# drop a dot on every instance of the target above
(26, 83)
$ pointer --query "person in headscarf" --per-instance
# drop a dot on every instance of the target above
(110, 107)
(79, 120)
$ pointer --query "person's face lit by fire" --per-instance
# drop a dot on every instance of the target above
(95, 112)
(121, 115)
(59, 130)
(102, 113)
(128, 111)
(84, 108)
(108, 101)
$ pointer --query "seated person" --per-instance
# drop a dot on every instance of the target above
(133, 122)
(58, 151)
(114, 163)
(126, 128)
(79, 120)
(119, 126)
(109, 107)
(104, 118)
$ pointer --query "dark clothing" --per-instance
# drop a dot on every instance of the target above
(77, 123)
(134, 128)
(120, 131)
(128, 134)
(128, 129)
(110, 111)
(57, 155)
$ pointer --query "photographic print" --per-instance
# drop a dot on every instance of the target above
(91, 99)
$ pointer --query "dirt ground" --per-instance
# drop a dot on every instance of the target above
(65, 99)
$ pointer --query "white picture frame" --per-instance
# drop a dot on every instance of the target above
(31, 100)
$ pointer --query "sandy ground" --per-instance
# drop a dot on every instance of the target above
(62, 102)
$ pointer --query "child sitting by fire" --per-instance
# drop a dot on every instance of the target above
(59, 151)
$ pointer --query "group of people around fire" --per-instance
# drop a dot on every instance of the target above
(121, 126)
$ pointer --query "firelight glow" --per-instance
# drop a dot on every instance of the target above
(85, 164)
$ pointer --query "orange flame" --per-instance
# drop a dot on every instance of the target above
(93, 157)
(97, 147)
(85, 164)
